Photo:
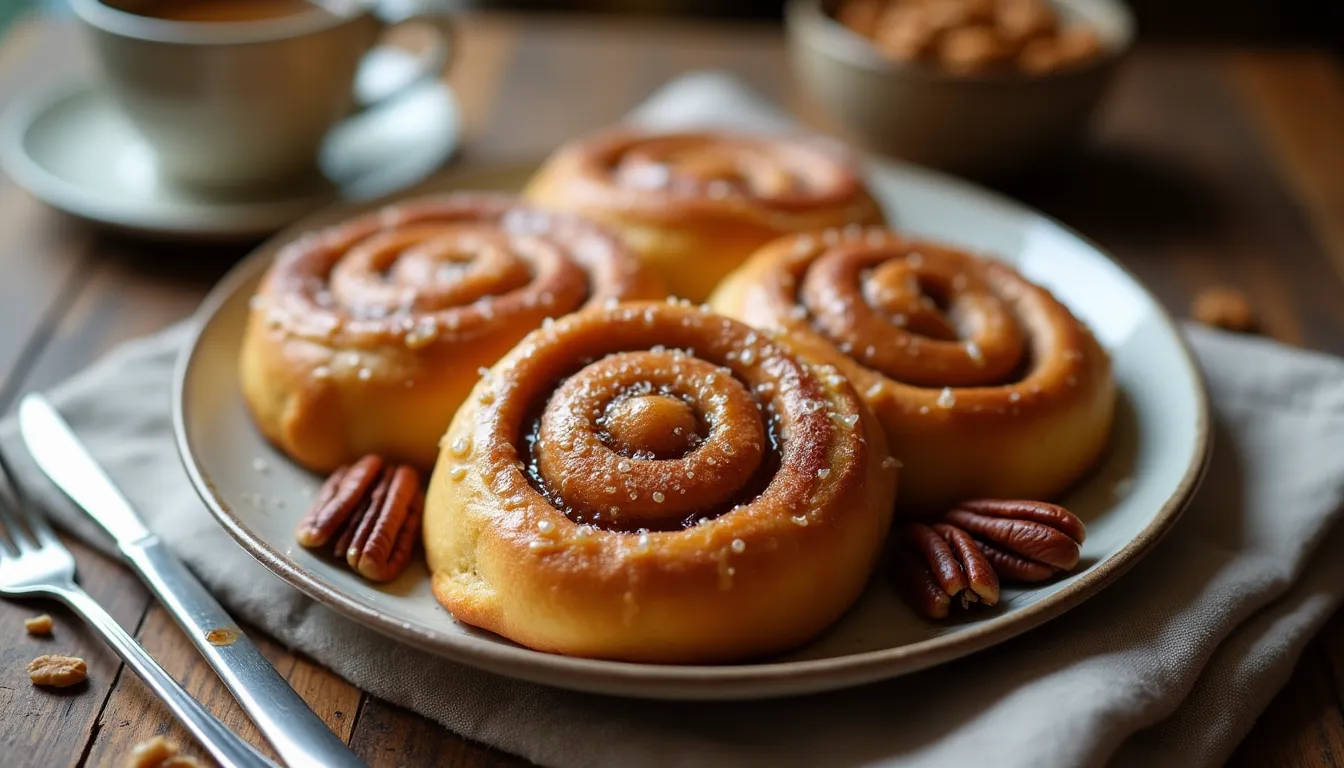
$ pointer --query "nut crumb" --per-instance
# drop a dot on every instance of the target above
(151, 753)
(56, 671)
(1223, 307)
(39, 625)
(159, 752)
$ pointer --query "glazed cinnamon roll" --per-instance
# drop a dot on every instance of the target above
(655, 483)
(694, 205)
(365, 337)
(986, 384)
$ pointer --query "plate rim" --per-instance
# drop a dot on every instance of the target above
(688, 682)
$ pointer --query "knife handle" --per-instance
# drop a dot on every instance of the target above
(298, 735)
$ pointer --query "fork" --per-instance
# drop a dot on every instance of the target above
(34, 563)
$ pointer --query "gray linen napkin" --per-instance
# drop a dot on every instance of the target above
(1169, 666)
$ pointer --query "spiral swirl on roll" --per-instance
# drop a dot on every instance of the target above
(986, 384)
(694, 205)
(653, 482)
(762, 173)
(365, 337)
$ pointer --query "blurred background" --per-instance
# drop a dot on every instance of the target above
(1272, 22)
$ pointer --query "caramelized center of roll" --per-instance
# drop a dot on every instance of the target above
(661, 425)
(661, 417)
(641, 489)
(925, 317)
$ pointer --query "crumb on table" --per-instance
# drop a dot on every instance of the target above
(38, 625)
(57, 671)
(159, 752)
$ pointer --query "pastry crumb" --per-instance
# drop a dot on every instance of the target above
(57, 671)
(39, 625)
(151, 753)
(159, 752)
(1223, 307)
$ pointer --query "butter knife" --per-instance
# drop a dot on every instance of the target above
(298, 735)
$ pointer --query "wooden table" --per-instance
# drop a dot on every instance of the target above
(1208, 166)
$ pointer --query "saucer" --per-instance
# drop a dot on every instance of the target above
(73, 148)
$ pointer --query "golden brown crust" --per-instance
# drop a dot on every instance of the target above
(987, 386)
(365, 337)
(545, 527)
(694, 205)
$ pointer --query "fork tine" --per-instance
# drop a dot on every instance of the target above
(7, 549)
(33, 516)
(34, 531)
(14, 538)
(39, 527)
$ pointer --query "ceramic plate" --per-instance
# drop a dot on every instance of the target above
(1155, 461)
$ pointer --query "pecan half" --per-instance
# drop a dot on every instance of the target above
(937, 564)
(57, 671)
(339, 498)
(1024, 540)
(379, 544)
(376, 508)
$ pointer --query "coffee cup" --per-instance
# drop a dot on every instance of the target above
(238, 95)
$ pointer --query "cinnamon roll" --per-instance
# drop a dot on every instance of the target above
(365, 337)
(694, 205)
(986, 384)
(656, 483)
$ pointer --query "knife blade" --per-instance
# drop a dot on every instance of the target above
(63, 459)
(298, 735)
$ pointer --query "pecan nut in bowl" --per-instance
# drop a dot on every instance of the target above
(987, 385)
(694, 205)
(655, 483)
(365, 337)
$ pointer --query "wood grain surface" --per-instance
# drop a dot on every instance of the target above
(1208, 166)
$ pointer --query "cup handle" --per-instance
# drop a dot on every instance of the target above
(431, 64)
